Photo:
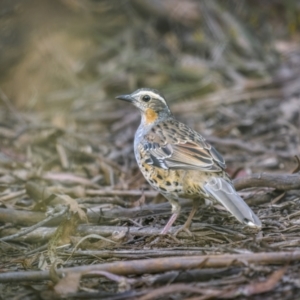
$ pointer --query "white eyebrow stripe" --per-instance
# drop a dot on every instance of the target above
(152, 95)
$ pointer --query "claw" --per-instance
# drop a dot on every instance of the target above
(157, 239)
(185, 229)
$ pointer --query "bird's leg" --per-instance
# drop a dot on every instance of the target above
(175, 210)
(169, 224)
(188, 222)
(191, 215)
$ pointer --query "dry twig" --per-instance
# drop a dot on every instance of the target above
(157, 265)
(32, 228)
(278, 181)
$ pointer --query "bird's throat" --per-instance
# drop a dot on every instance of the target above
(150, 116)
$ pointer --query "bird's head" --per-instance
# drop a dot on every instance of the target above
(151, 104)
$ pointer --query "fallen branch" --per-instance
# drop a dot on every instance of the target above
(142, 254)
(22, 217)
(104, 192)
(158, 265)
(162, 292)
(32, 228)
(258, 287)
(249, 147)
(282, 182)
(44, 233)
(12, 195)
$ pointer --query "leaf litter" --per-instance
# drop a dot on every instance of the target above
(81, 220)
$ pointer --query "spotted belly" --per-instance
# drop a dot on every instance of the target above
(165, 181)
(174, 183)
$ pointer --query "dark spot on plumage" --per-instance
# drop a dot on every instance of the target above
(203, 159)
(173, 130)
(151, 181)
(175, 183)
(163, 189)
(158, 162)
(166, 150)
(154, 180)
(217, 156)
(168, 183)
(159, 176)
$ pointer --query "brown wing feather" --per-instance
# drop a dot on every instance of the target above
(194, 157)
(174, 145)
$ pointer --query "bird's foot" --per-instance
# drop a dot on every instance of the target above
(185, 229)
(162, 239)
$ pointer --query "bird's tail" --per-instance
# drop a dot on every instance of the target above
(224, 192)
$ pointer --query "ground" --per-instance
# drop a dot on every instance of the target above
(78, 220)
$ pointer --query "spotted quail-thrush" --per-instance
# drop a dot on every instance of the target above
(179, 163)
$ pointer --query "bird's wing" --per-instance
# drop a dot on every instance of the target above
(173, 145)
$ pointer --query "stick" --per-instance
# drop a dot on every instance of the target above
(13, 195)
(22, 217)
(158, 265)
(282, 182)
(134, 254)
(32, 228)
(44, 233)
(148, 194)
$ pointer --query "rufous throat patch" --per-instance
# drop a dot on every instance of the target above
(150, 115)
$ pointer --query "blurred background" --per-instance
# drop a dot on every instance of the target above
(230, 69)
(54, 51)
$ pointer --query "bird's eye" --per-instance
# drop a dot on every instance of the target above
(146, 98)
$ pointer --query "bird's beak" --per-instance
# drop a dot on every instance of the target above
(127, 98)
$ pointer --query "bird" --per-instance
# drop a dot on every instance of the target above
(179, 163)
